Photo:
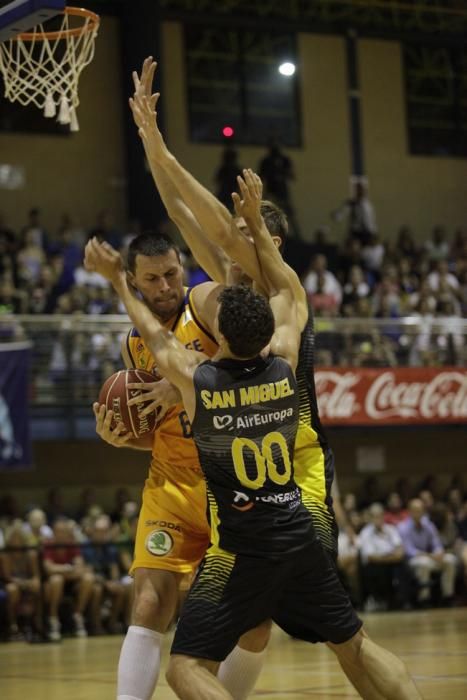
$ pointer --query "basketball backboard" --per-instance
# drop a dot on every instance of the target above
(21, 15)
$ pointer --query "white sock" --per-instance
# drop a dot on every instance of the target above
(240, 671)
(139, 664)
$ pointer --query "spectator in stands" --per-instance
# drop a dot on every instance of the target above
(405, 246)
(102, 556)
(36, 529)
(321, 246)
(54, 506)
(426, 554)
(382, 555)
(12, 300)
(360, 212)
(66, 573)
(21, 574)
(320, 280)
(348, 561)
(276, 171)
(437, 247)
(354, 289)
(443, 519)
(373, 256)
(226, 176)
(71, 232)
(34, 227)
(105, 230)
(427, 499)
(31, 258)
(442, 279)
(395, 513)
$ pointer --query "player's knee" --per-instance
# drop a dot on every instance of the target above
(155, 600)
(256, 640)
(350, 650)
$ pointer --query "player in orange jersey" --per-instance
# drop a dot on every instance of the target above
(173, 532)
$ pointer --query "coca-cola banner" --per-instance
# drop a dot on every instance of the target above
(402, 396)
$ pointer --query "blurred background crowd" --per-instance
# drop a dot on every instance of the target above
(399, 549)
(42, 272)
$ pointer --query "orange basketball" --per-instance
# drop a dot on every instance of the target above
(115, 395)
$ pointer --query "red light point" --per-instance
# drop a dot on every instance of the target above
(228, 132)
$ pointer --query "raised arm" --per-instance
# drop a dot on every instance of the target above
(277, 277)
(174, 361)
(144, 108)
(211, 216)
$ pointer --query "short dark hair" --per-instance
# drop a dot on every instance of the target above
(275, 220)
(151, 245)
(245, 320)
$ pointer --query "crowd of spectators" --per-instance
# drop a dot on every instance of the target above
(43, 273)
(363, 279)
(407, 548)
(66, 572)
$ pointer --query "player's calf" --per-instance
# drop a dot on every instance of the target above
(192, 679)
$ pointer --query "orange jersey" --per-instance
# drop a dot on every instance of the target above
(173, 444)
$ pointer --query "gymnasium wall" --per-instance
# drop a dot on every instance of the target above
(431, 190)
(85, 172)
(409, 453)
(427, 190)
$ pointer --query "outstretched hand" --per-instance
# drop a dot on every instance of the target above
(103, 259)
(248, 205)
(143, 105)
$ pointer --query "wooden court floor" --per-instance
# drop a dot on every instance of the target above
(432, 643)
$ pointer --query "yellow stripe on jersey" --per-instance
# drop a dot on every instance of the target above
(214, 520)
(214, 576)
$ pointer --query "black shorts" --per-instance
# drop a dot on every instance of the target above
(234, 593)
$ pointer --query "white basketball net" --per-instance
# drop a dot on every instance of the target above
(45, 71)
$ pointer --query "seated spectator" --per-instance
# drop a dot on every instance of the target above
(354, 289)
(373, 256)
(21, 574)
(102, 556)
(437, 247)
(66, 573)
(321, 280)
(35, 229)
(426, 554)
(12, 300)
(428, 501)
(443, 519)
(395, 513)
(36, 528)
(405, 246)
(383, 557)
(31, 259)
(442, 279)
(105, 230)
(348, 561)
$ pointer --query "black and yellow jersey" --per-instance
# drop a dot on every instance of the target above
(314, 460)
(245, 425)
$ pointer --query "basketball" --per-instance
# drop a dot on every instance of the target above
(115, 395)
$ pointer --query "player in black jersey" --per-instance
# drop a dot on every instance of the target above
(264, 560)
(206, 227)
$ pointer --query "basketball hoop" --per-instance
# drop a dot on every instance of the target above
(43, 67)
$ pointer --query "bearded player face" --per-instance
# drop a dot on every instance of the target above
(159, 279)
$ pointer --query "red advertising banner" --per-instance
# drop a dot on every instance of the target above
(392, 396)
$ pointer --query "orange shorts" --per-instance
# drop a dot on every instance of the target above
(173, 531)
